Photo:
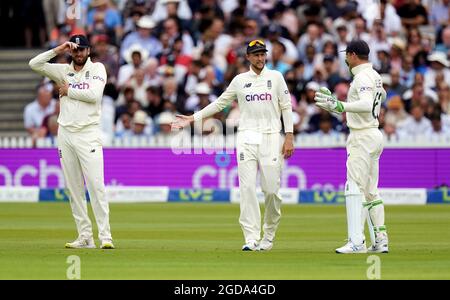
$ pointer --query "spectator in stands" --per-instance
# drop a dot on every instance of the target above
(437, 130)
(444, 97)
(123, 127)
(413, 14)
(173, 8)
(414, 38)
(164, 121)
(439, 66)
(385, 11)
(54, 16)
(36, 111)
(135, 57)
(416, 124)
(407, 72)
(129, 103)
(274, 34)
(439, 14)
(141, 125)
(444, 45)
(152, 76)
(142, 37)
(395, 87)
(202, 94)
(396, 112)
(171, 27)
(155, 103)
(107, 14)
(276, 62)
(325, 128)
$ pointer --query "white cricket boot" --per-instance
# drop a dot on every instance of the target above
(80, 243)
(380, 245)
(351, 248)
(265, 245)
(251, 245)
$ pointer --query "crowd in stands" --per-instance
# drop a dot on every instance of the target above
(165, 57)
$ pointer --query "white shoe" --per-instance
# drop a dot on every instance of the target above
(250, 246)
(351, 248)
(380, 246)
(81, 243)
(107, 244)
(265, 245)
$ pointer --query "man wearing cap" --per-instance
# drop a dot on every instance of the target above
(263, 97)
(364, 147)
(81, 87)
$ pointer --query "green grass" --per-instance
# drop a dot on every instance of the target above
(203, 241)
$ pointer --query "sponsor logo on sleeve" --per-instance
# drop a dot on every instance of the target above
(365, 89)
(98, 78)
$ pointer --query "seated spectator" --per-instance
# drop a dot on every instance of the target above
(396, 112)
(155, 104)
(407, 72)
(36, 111)
(437, 130)
(123, 125)
(413, 14)
(277, 58)
(135, 57)
(141, 125)
(142, 37)
(201, 91)
(325, 128)
(129, 105)
(164, 121)
(444, 45)
(416, 124)
(314, 122)
(111, 19)
(439, 65)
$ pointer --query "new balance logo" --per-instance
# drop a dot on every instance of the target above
(247, 85)
(93, 150)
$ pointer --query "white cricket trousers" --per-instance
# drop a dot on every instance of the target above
(364, 148)
(81, 156)
(267, 156)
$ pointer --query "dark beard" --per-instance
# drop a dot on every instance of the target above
(81, 64)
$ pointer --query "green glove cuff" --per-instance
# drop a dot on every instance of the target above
(340, 107)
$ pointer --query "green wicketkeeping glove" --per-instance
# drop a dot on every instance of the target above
(326, 100)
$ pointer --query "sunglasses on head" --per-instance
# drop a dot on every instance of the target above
(254, 42)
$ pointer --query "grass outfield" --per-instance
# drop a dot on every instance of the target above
(203, 241)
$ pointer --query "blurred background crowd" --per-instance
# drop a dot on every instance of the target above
(165, 57)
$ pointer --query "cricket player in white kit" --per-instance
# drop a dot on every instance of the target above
(80, 149)
(263, 97)
(364, 147)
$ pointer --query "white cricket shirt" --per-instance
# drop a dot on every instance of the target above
(82, 105)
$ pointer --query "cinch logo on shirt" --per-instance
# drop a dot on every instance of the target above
(99, 78)
(259, 97)
(79, 86)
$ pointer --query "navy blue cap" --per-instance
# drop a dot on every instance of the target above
(80, 40)
(359, 47)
